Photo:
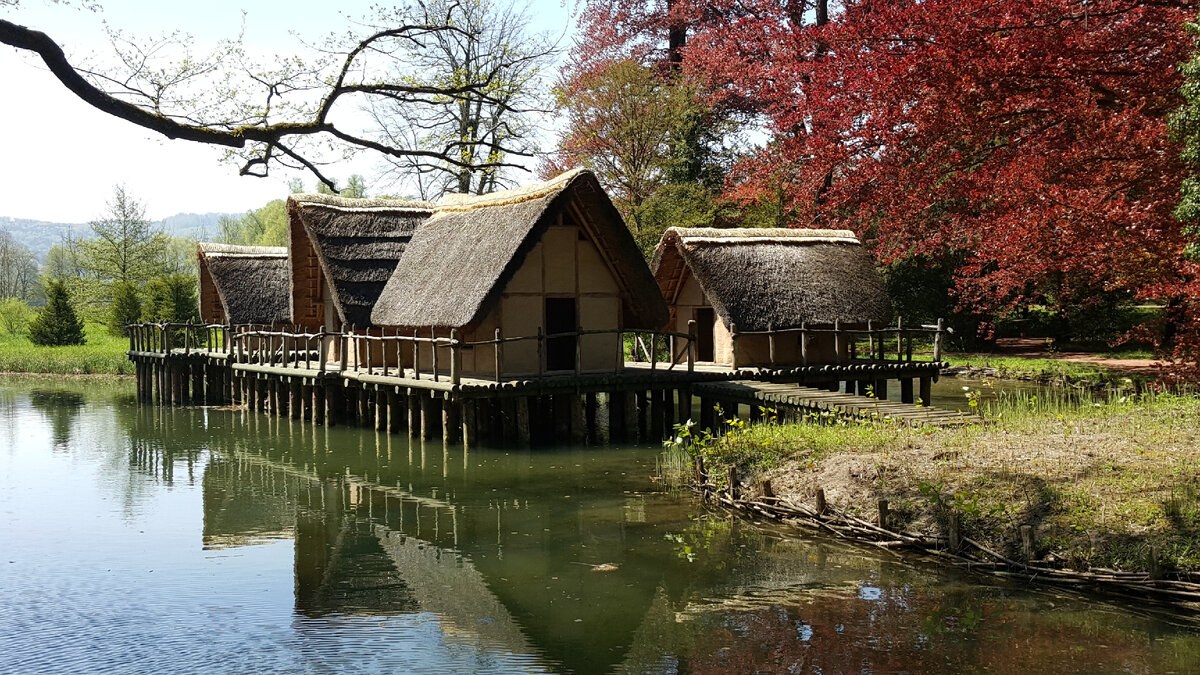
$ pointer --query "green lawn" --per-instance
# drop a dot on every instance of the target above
(104, 354)
(1101, 479)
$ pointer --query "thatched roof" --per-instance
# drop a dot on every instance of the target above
(460, 260)
(358, 242)
(252, 282)
(761, 278)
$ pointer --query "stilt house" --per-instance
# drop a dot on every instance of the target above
(551, 258)
(243, 284)
(741, 285)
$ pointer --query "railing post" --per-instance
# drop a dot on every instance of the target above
(383, 343)
(871, 339)
(433, 346)
(370, 360)
(837, 341)
(937, 340)
(578, 350)
(499, 345)
(691, 345)
(733, 336)
(804, 343)
(653, 350)
(455, 357)
(343, 347)
(416, 356)
(321, 353)
(899, 338)
(771, 343)
(541, 336)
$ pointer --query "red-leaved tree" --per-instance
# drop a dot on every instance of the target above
(1027, 137)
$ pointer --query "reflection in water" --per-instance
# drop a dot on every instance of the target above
(303, 547)
(60, 408)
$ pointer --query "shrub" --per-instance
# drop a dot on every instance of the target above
(126, 308)
(57, 324)
(14, 316)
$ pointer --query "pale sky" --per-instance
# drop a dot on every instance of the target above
(60, 158)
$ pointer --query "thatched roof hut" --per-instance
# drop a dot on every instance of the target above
(348, 247)
(243, 284)
(459, 262)
(762, 278)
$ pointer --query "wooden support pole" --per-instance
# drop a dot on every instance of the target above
(1027, 542)
(591, 434)
(452, 425)
(937, 340)
(906, 390)
(414, 413)
(318, 416)
(470, 409)
(562, 418)
(656, 431)
(734, 491)
(394, 414)
(881, 388)
(926, 391)
(685, 403)
(381, 408)
(432, 418)
(524, 433)
(803, 343)
(954, 532)
(692, 337)
(296, 404)
(578, 425)
(884, 513)
(821, 503)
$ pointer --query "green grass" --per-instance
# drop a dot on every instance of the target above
(1046, 370)
(1102, 477)
(104, 354)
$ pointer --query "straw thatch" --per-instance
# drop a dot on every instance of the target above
(460, 260)
(762, 278)
(253, 283)
(358, 243)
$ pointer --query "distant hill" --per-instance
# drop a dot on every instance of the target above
(40, 235)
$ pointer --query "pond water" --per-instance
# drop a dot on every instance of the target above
(138, 539)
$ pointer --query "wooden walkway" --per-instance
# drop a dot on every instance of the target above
(794, 400)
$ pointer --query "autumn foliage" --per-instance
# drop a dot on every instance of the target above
(1027, 139)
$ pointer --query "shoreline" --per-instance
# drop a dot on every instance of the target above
(1087, 494)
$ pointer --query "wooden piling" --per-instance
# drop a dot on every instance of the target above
(926, 390)
(906, 390)
(451, 420)
(884, 513)
(821, 503)
(1027, 542)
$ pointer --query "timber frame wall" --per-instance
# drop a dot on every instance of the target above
(297, 374)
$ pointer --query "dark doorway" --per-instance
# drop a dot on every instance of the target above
(561, 318)
(705, 318)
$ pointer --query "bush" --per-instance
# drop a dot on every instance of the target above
(57, 324)
(14, 316)
(171, 299)
(126, 308)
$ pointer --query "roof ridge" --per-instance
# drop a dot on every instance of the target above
(459, 203)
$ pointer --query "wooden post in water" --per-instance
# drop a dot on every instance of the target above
(432, 418)
(884, 513)
(524, 433)
(414, 412)
(452, 419)
(821, 504)
(953, 530)
(926, 390)
(1027, 542)
(906, 390)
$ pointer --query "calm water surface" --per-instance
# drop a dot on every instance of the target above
(144, 540)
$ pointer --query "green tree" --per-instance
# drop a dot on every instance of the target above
(125, 247)
(126, 308)
(171, 299)
(1185, 127)
(14, 316)
(57, 324)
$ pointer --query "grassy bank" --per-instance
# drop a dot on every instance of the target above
(1045, 370)
(103, 354)
(1101, 481)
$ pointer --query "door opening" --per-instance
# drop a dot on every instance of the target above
(705, 319)
(561, 317)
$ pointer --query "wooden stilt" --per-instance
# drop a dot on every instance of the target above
(470, 408)
(452, 420)
(589, 418)
(906, 390)
(926, 390)
(393, 410)
(562, 418)
(642, 405)
(616, 417)
(431, 409)
(577, 419)
(414, 414)
(524, 434)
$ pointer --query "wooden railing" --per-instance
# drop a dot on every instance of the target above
(357, 351)
(847, 340)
